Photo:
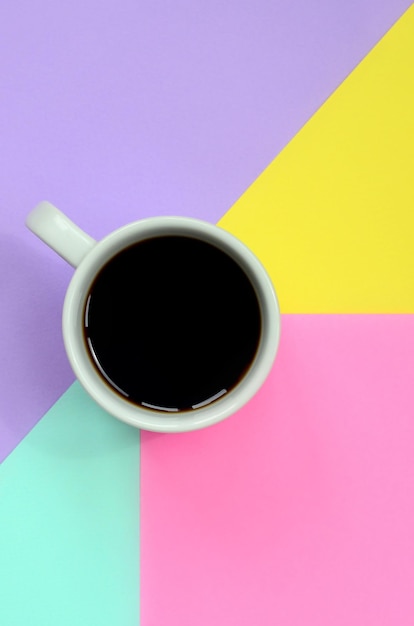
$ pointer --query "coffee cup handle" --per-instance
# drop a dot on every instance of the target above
(59, 233)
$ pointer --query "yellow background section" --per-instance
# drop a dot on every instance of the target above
(332, 217)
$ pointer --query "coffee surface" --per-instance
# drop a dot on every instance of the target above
(172, 323)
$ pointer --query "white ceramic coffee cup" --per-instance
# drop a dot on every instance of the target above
(89, 256)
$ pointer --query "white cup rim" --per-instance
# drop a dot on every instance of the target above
(147, 419)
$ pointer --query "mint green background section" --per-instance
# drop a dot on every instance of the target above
(69, 520)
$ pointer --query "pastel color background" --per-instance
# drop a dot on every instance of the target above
(117, 111)
(69, 514)
(332, 216)
(298, 509)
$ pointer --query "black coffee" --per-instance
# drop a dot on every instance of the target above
(172, 323)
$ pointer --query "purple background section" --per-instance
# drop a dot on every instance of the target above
(116, 111)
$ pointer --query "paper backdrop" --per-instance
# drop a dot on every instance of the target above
(116, 112)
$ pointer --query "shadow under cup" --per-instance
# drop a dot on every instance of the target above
(172, 323)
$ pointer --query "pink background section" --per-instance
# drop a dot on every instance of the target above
(300, 509)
